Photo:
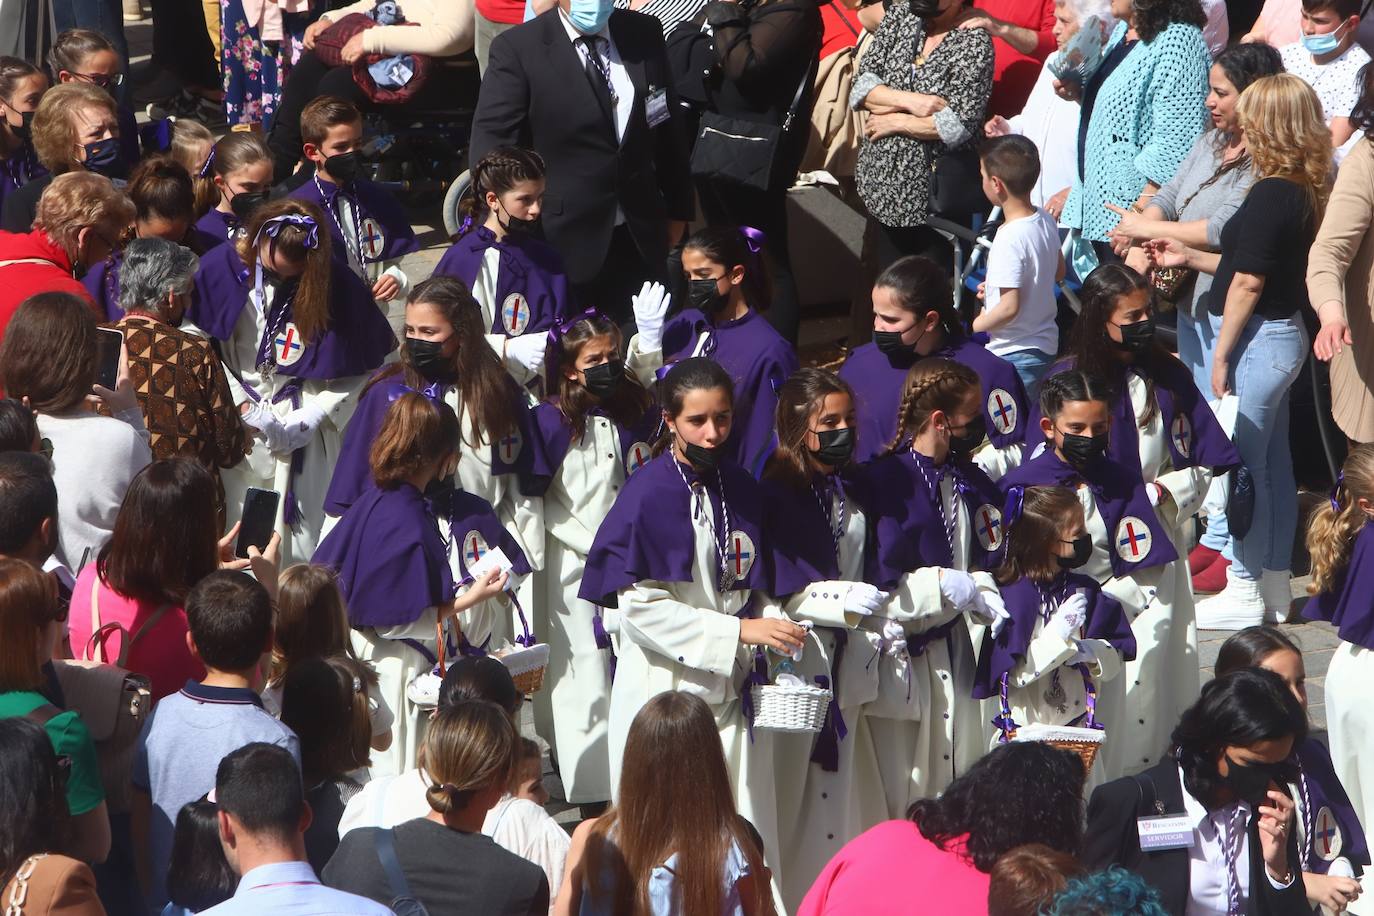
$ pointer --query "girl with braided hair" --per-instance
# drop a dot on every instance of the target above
(935, 527)
(516, 278)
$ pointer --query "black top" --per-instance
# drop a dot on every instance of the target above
(1268, 236)
(451, 873)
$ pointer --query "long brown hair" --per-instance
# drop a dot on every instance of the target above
(310, 308)
(415, 432)
(1335, 522)
(696, 373)
(311, 620)
(28, 603)
(932, 384)
(48, 352)
(627, 405)
(324, 701)
(800, 396)
(1033, 538)
(487, 393)
(675, 798)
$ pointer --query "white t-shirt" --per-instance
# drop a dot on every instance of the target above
(1337, 82)
(1025, 256)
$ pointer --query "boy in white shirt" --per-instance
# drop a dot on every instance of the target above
(1024, 264)
(1328, 59)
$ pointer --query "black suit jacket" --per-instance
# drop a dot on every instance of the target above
(1112, 839)
(535, 93)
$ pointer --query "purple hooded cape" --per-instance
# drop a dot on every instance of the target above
(1106, 620)
(1321, 789)
(217, 227)
(905, 528)
(1137, 539)
(352, 474)
(471, 518)
(878, 380)
(356, 342)
(554, 435)
(102, 282)
(18, 170)
(1196, 438)
(648, 533)
(802, 540)
(389, 239)
(758, 359)
(1347, 607)
(531, 285)
(389, 557)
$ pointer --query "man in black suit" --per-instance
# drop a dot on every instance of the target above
(589, 89)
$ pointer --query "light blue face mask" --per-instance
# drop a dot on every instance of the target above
(1323, 44)
(589, 16)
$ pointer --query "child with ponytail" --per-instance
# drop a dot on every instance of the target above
(516, 278)
(1133, 558)
(192, 145)
(935, 528)
(595, 430)
(240, 169)
(1063, 637)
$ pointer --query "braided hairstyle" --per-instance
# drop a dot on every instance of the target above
(498, 171)
(932, 384)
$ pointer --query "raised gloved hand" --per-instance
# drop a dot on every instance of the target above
(299, 427)
(992, 610)
(650, 307)
(958, 588)
(527, 350)
(863, 599)
(1069, 616)
(894, 637)
(260, 417)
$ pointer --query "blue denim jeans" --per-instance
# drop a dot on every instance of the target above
(1197, 341)
(1030, 365)
(1267, 358)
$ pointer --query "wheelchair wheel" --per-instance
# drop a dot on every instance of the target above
(456, 190)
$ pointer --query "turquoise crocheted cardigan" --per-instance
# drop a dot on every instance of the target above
(1147, 115)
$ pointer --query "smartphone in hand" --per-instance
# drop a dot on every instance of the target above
(109, 345)
(258, 521)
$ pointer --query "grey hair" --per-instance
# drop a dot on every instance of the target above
(152, 268)
(1102, 9)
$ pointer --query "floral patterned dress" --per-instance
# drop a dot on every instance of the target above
(255, 70)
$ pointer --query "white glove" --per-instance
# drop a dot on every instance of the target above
(527, 350)
(994, 611)
(299, 426)
(1155, 493)
(894, 637)
(1069, 616)
(863, 599)
(650, 306)
(958, 588)
(261, 418)
(1082, 655)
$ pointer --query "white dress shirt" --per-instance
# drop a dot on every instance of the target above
(1207, 871)
(621, 85)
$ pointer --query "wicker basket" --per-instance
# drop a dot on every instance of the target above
(784, 708)
(526, 666)
(1085, 742)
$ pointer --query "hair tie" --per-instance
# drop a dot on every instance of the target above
(465, 225)
(754, 238)
(209, 161)
(1015, 504)
(1335, 492)
(561, 327)
(357, 684)
(273, 228)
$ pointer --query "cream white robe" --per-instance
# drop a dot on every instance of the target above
(1349, 723)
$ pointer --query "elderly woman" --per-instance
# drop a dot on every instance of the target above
(924, 82)
(1142, 111)
(180, 383)
(72, 121)
(1048, 120)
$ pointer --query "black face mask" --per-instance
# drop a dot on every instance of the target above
(1084, 451)
(517, 225)
(701, 457)
(427, 358)
(345, 167)
(925, 9)
(974, 434)
(702, 295)
(604, 379)
(245, 202)
(25, 129)
(889, 342)
(837, 447)
(1082, 551)
(1250, 782)
(1136, 337)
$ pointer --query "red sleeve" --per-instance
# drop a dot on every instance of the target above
(1045, 44)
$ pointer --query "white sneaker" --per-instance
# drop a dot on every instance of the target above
(1276, 590)
(1235, 607)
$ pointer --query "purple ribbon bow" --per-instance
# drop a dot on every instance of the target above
(274, 226)
(1335, 493)
(754, 238)
(1016, 502)
(561, 327)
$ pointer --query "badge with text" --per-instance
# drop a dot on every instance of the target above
(1172, 831)
(656, 107)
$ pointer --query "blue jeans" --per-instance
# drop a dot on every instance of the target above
(1030, 365)
(1197, 341)
(1267, 358)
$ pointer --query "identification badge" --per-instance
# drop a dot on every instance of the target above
(1174, 831)
(656, 107)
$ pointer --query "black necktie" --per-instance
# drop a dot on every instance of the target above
(598, 74)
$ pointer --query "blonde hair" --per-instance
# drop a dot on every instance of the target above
(1286, 135)
(1332, 528)
(189, 139)
(79, 200)
(932, 384)
(469, 748)
(54, 123)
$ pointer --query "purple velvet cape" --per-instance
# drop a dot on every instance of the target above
(18, 170)
(1106, 620)
(757, 358)
(878, 380)
(555, 433)
(216, 228)
(1324, 790)
(648, 533)
(372, 202)
(1120, 493)
(1348, 606)
(102, 280)
(356, 342)
(529, 269)
(802, 540)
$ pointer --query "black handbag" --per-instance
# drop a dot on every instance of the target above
(739, 152)
(956, 185)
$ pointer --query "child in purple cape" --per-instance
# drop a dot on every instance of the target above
(21, 86)
(828, 784)
(1063, 637)
(726, 288)
(595, 431)
(517, 279)
(683, 556)
(391, 557)
(1332, 848)
(913, 319)
(935, 527)
(241, 168)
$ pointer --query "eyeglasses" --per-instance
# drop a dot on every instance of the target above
(103, 80)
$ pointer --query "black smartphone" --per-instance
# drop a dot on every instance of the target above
(258, 520)
(108, 342)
